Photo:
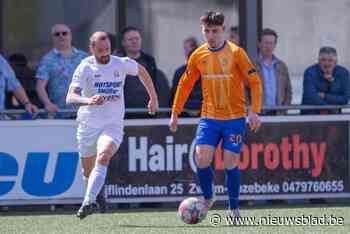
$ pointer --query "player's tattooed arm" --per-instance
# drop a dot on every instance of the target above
(74, 97)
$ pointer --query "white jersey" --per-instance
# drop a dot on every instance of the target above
(107, 80)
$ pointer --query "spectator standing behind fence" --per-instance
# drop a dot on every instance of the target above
(277, 89)
(56, 70)
(135, 94)
(9, 81)
(233, 35)
(326, 83)
(194, 102)
(26, 76)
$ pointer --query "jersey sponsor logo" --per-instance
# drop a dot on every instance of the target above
(108, 84)
(111, 98)
(110, 90)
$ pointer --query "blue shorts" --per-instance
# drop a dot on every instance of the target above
(231, 132)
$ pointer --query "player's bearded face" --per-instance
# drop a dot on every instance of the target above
(102, 46)
(214, 34)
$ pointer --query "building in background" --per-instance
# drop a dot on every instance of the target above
(303, 26)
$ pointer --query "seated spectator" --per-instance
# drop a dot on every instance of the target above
(26, 77)
(9, 81)
(56, 69)
(326, 83)
(194, 102)
(277, 88)
(132, 48)
(233, 35)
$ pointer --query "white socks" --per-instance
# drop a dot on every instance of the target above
(95, 183)
(85, 179)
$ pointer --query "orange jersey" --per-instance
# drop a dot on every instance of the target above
(223, 74)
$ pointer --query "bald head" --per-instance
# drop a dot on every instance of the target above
(100, 45)
(97, 35)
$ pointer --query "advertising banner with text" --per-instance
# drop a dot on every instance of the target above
(290, 157)
(294, 157)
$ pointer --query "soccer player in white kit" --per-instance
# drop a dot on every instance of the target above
(97, 86)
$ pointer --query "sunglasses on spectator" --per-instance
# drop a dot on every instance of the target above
(64, 33)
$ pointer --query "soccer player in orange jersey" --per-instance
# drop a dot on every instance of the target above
(223, 68)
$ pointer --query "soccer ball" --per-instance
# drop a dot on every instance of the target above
(192, 210)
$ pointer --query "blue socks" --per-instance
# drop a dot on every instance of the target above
(232, 182)
(206, 180)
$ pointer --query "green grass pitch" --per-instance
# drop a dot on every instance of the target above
(159, 221)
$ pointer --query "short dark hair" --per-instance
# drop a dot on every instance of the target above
(268, 32)
(327, 50)
(18, 59)
(212, 18)
(193, 41)
(128, 29)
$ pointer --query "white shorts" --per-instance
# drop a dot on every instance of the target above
(89, 137)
